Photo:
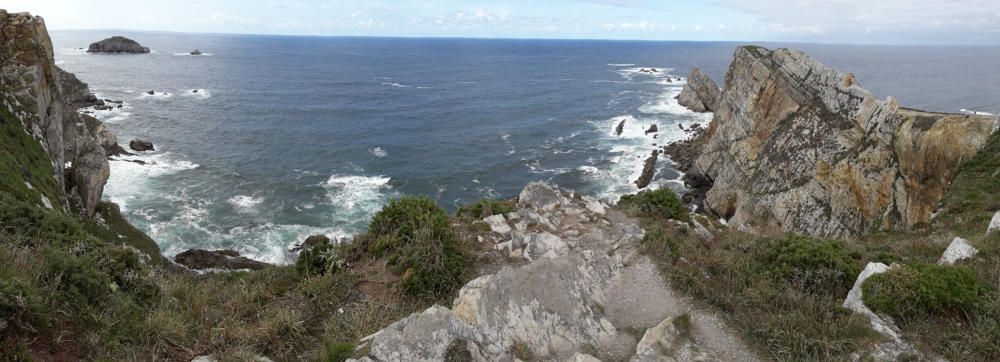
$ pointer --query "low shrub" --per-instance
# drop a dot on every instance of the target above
(338, 352)
(320, 259)
(485, 208)
(20, 307)
(415, 234)
(925, 290)
(813, 265)
(661, 203)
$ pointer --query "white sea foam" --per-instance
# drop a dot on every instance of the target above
(621, 64)
(128, 179)
(192, 55)
(155, 95)
(200, 94)
(975, 112)
(245, 202)
(354, 191)
(378, 152)
(506, 139)
(396, 85)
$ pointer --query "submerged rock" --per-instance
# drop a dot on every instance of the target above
(199, 259)
(700, 94)
(817, 154)
(117, 44)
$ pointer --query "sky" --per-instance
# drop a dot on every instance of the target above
(835, 21)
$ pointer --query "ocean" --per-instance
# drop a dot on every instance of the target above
(292, 136)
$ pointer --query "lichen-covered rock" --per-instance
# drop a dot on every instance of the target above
(117, 44)
(798, 146)
(959, 249)
(48, 98)
(700, 94)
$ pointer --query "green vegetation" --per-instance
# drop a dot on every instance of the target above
(415, 234)
(23, 161)
(815, 266)
(324, 258)
(338, 352)
(485, 208)
(974, 193)
(924, 290)
(662, 203)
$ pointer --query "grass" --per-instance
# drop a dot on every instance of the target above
(973, 195)
(485, 208)
(925, 290)
(24, 160)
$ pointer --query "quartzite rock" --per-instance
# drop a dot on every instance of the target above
(798, 146)
(700, 94)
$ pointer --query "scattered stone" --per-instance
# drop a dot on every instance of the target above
(199, 259)
(959, 249)
(651, 129)
(648, 170)
(141, 145)
(620, 128)
(498, 224)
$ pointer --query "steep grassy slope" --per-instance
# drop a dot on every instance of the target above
(25, 169)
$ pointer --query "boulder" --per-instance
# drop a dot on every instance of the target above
(651, 129)
(196, 52)
(498, 224)
(800, 147)
(117, 44)
(620, 128)
(959, 249)
(141, 145)
(199, 259)
(700, 94)
(994, 224)
(311, 241)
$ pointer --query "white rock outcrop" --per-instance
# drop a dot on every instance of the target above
(959, 249)
(895, 346)
(994, 224)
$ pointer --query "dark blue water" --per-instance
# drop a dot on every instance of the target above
(290, 136)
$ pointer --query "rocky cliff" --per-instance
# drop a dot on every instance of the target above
(44, 99)
(798, 146)
(117, 44)
(700, 94)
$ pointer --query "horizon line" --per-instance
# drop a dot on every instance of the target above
(526, 38)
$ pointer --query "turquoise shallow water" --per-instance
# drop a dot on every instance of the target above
(290, 136)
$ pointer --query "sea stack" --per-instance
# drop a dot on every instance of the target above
(117, 44)
(196, 52)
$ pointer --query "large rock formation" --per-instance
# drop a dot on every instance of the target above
(577, 289)
(798, 146)
(45, 99)
(700, 94)
(117, 44)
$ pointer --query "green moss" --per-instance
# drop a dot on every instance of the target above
(415, 234)
(810, 264)
(920, 291)
(22, 159)
(485, 208)
(662, 203)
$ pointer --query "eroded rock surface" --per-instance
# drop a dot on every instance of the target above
(199, 259)
(798, 146)
(45, 99)
(575, 289)
(700, 94)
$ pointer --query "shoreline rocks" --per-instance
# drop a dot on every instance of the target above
(141, 145)
(117, 45)
(199, 259)
(648, 170)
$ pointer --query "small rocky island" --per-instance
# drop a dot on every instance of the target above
(117, 44)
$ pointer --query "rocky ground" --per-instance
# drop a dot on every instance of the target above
(575, 289)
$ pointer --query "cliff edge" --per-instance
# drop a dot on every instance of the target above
(798, 146)
(43, 99)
